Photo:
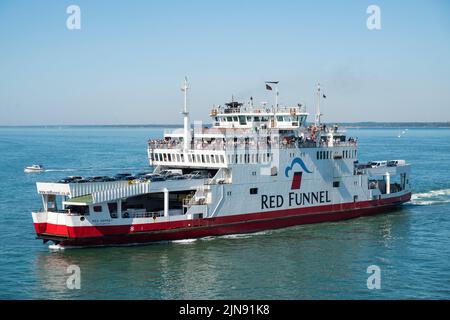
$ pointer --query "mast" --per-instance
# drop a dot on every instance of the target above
(318, 114)
(276, 94)
(186, 135)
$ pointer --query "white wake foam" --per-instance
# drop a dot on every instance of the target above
(184, 241)
(431, 197)
(56, 247)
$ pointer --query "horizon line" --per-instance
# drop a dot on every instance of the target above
(435, 123)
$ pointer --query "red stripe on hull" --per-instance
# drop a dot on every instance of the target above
(245, 223)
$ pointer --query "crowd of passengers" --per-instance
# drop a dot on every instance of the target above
(262, 143)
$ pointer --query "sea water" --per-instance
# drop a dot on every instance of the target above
(411, 246)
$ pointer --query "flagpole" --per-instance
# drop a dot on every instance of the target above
(318, 105)
(275, 106)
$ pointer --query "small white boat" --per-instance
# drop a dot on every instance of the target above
(34, 168)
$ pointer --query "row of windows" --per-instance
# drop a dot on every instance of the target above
(200, 158)
(244, 119)
(346, 154)
(215, 159)
(250, 158)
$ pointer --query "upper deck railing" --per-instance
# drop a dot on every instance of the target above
(220, 145)
(248, 109)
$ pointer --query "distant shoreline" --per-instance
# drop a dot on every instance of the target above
(395, 125)
(349, 125)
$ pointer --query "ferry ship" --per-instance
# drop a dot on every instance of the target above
(256, 167)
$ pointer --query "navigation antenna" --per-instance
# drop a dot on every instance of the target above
(185, 113)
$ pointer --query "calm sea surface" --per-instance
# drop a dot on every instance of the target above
(323, 261)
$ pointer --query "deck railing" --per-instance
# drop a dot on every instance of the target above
(229, 146)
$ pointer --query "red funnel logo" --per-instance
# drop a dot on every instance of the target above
(297, 178)
(296, 181)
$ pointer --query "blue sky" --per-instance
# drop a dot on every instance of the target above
(127, 63)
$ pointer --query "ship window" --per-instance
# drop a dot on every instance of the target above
(97, 208)
(317, 155)
(279, 118)
(253, 190)
(336, 184)
(81, 210)
(229, 119)
(249, 119)
(355, 198)
(222, 159)
(112, 206)
(213, 159)
(256, 119)
(235, 118)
